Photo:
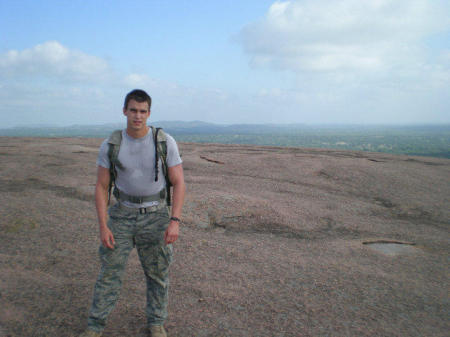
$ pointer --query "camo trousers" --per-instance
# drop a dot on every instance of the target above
(146, 232)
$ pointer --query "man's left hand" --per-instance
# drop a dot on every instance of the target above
(171, 234)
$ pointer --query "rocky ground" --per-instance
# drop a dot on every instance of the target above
(275, 242)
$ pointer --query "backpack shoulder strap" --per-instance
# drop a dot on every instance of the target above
(160, 134)
(114, 141)
(115, 137)
(160, 140)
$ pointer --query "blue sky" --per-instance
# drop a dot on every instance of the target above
(254, 61)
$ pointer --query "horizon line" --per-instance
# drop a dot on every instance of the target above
(287, 124)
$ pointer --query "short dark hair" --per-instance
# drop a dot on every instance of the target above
(139, 96)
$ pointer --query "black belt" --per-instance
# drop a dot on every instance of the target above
(122, 196)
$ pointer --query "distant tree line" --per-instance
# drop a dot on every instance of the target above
(422, 140)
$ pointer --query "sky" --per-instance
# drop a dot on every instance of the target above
(252, 61)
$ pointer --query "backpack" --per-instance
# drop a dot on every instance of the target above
(160, 140)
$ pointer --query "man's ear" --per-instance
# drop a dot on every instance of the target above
(124, 111)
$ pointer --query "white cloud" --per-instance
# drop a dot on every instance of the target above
(53, 60)
(334, 79)
(354, 61)
(324, 35)
(137, 80)
(52, 84)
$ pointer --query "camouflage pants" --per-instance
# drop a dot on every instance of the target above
(146, 232)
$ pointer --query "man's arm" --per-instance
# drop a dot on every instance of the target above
(176, 177)
(101, 203)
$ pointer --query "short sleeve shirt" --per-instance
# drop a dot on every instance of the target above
(137, 155)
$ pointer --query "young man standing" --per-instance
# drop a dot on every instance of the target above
(140, 217)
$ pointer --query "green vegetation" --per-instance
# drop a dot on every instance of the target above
(422, 140)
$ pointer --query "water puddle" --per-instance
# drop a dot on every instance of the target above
(391, 248)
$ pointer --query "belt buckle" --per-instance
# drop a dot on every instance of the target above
(142, 210)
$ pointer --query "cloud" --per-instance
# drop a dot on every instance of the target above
(350, 35)
(137, 80)
(354, 61)
(53, 60)
(53, 84)
(172, 101)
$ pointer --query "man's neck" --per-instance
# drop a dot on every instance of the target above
(137, 133)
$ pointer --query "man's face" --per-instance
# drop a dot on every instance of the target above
(137, 114)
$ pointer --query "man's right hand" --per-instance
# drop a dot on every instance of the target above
(107, 238)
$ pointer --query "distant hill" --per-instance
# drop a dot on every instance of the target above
(173, 127)
(425, 140)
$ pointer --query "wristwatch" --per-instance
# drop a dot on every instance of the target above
(174, 218)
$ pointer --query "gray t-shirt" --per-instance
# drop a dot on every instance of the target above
(137, 155)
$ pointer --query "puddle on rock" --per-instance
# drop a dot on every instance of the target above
(391, 248)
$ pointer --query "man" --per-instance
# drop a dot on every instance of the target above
(145, 224)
